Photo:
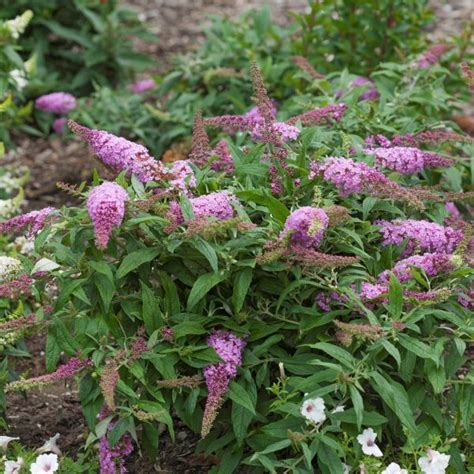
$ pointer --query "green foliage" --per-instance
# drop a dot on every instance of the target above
(148, 302)
(80, 43)
(360, 35)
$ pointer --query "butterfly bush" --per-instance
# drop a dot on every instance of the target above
(306, 226)
(421, 235)
(296, 307)
(408, 160)
(120, 154)
(217, 205)
(106, 207)
(56, 102)
(229, 348)
(34, 221)
(143, 85)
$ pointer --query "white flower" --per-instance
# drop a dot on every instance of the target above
(4, 440)
(8, 266)
(18, 78)
(13, 467)
(434, 462)
(367, 441)
(394, 468)
(45, 464)
(313, 410)
(339, 409)
(51, 446)
(19, 23)
(347, 469)
(7, 207)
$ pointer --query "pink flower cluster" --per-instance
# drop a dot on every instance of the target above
(65, 371)
(106, 207)
(35, 220)
(120, 154)
(224, 162)
(142, 85)
(56, 102)
(229, 347)
(431, 263)
(407, 160)
(113, 458)
(183, 176)
(422, 235)
(414, 140)
(254, 122)
(306, 226)
(371, 93)
(315, 117)
(432, 55)
(217, 205)
(347, 175)
(18, 287)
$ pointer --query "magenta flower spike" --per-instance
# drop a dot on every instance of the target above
(106, 207)
(56, 102)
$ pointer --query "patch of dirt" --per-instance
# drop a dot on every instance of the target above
(179, 24)
(51, 160)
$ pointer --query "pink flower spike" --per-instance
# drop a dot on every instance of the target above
(56, 102)
(142, 85)
(34, 220)
(106, 207)
(121, 154)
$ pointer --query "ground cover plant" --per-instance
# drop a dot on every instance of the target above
(297, 290)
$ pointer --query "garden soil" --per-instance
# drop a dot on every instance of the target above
(178, 23)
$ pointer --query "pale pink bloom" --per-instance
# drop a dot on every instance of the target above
(13, 467)
(367, 440)
(4, 440)
(313, 410)
(45, 464)
(434, 462)
(50, 446)
(394, 468)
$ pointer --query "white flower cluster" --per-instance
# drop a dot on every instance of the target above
(18, 25)
(433, 463)
(46, 463)
(8, 207)
(9, 267)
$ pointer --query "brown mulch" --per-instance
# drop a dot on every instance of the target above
(50, 161)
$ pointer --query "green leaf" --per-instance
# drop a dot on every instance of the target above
(205, 249)
(279, 211)
(151, 310)
(395, 297)
(341, 355)
(240, 396)
(202, 286)
(52, 351)
(241, 418)
(418, 348)
(135, 259)
(242, 282)
(358, 404)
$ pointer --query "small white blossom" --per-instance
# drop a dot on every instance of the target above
(18, 25)
(339, 409)
(7, 207)
(51, 446)
(45, 464)
(13, 467)
(367, 440)
(9, 266)
(434, 462)
(347, 469)
(394, 468)
(313, 410)
(4, 440)
(18, 78)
